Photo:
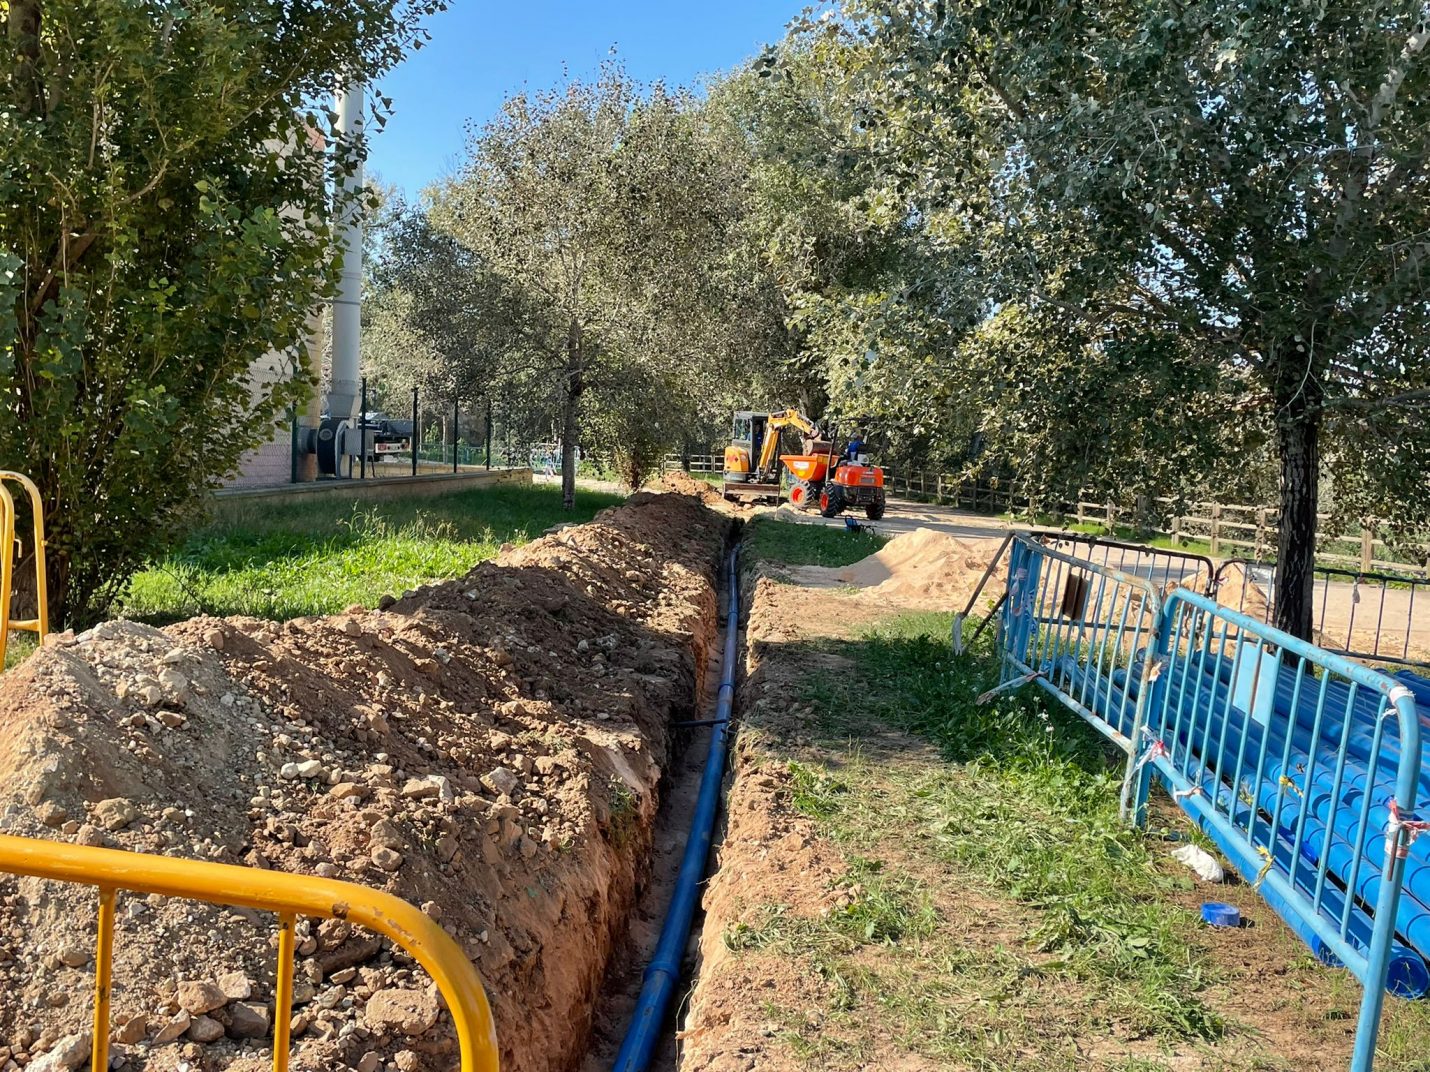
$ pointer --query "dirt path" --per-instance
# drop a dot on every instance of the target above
(879, 904)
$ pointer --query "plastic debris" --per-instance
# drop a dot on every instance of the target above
(1206, 866)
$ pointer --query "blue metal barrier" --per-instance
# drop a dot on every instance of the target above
(1076, 627)
(1303, 766)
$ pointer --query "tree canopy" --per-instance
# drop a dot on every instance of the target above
(164, 201)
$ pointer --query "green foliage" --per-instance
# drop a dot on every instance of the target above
(163, 226)
(286, 561)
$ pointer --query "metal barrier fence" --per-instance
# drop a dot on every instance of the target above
(13, 548)
(287, 895)
(1381, 617)
(1302, 765)
(1157, 565)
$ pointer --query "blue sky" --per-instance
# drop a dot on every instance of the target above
(483, 50)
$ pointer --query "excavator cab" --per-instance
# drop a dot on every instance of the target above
(751, 470)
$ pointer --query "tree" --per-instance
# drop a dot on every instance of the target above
(1253, 189)
(602, 209)
(163, 207)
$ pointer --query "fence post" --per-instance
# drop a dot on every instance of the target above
(456, 416)
(938, 490)
(1081, 512)
(1260, 531)
(1111, 518)
(1367, 549)
(362, 432)
(413, 441)
(1176, 530)
(489, 433)
(1216, 528)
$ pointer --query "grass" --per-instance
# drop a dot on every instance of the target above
(278, 560)
(792, 544)
(1026, 809)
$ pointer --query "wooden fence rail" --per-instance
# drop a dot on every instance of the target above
(1232, 530)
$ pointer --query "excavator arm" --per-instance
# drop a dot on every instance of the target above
(790, 418)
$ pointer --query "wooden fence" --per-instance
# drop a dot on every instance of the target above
(1231, 530)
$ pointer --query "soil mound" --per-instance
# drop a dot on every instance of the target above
(488, 748)
(682, 483)
(923, 568)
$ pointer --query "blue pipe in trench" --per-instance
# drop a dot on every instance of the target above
(663, 972)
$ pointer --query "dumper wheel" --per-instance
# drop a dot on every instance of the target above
(801, 493)
(875, 509)
(831, 500)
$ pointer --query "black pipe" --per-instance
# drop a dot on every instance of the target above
(413, 441)
(362, 431)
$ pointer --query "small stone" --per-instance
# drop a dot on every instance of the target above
(412, 1012)
(67, 1054)
(172, 719)
(407, 1061)
(132, 1030)
(51, 814)
(115, 813)
(73, 956)
(205, 1029)
(528, 848)
(345, 790)
(385, 833)
(446, 848)
(247, 1020)
(387, 859)
(152, 695)
(310, 768)
(288, 772)
(370, 1061)
(352, 628)
(236, 986)
(175, 682)
(501, 780)
(89, 835)
(385, 601)
(196, 997)
(173, 1029)
(214, 638)
(420, 789)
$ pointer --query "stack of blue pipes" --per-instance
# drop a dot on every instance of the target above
(1294, 778)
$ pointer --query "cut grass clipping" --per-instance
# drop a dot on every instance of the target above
(280, 561)
(791, 543)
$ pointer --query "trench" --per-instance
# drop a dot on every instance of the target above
(620, 992)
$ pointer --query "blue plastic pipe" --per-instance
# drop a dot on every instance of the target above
(663, 972)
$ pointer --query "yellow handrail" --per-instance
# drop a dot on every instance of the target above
(286, 894)
(40, 623)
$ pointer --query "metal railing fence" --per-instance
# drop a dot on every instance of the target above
(288, 896)
(1302, 765)
(1377, 616)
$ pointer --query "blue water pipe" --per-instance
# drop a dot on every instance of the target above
(663, 972)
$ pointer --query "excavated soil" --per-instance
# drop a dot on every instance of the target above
(489, 748)
(923, 569)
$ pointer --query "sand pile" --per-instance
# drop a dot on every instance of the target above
(487, 748)
(923, 568)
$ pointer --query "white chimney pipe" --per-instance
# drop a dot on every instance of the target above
(347, 306)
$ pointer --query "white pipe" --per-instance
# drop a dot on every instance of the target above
(347, 305)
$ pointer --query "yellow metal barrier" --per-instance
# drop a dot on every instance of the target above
(40, 623)
(288, 895)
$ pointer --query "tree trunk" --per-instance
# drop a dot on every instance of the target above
(570, 414)
(23, 29)
(1298, 437)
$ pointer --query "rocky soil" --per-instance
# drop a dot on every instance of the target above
(489, 748)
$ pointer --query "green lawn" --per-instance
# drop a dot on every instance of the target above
(792, 544)
(277, 560)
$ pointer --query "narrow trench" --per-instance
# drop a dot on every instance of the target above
(624, 977)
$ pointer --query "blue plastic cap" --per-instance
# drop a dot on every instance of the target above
(1218, 914)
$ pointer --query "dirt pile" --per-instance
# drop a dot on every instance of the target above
(923, 568)
(488, 748)
(682, 483)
